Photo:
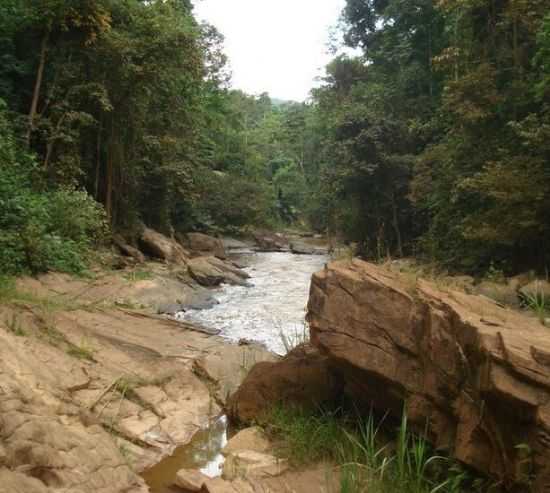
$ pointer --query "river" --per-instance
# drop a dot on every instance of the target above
(272, 308)
(271, 311)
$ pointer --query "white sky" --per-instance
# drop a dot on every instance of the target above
(278, 46)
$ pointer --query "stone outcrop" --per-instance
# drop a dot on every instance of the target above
(89, 397)
(303, 378)
(204, 245)
(211, 271)
(271, 242)
(475, 374)
(159, 246)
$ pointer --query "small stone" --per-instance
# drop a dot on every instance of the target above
(253, 439)
(190, 480)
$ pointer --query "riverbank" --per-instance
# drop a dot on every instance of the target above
(97, 385)
(94, 393)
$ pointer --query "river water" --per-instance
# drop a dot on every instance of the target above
(271, 311)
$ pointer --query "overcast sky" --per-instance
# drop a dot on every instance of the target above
(278, 46)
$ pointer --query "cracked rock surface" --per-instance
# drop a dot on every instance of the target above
(476, 374)
(92, 394)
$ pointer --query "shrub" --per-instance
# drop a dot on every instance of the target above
(41, 229)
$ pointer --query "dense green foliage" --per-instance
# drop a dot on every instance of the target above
(126, 101)
(435, 142)
(41, 229)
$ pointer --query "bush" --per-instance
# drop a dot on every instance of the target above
(41, 229)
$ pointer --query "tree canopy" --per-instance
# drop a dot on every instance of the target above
(433, 142)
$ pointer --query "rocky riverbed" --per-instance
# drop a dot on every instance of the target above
(98, 385)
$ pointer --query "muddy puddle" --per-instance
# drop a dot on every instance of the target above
(203, 453)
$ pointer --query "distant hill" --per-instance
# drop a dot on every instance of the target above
(281, 102)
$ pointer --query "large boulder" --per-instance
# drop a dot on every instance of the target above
(204, 245)
(159, 246)
(476, 376)
(271, 242)
(211, 271)
(303, 378)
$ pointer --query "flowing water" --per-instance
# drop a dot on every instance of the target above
(271, 310)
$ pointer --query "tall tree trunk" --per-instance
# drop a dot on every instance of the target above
(38, 84)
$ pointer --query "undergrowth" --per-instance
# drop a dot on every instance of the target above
(367, 461)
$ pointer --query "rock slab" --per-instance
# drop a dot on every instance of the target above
(476, 374)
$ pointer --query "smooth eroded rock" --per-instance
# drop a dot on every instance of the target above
(204, 245)
(476, 374)
(159, 246)
(211, 271)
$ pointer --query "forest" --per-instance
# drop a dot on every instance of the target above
(434, 142)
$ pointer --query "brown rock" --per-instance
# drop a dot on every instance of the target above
(204, 245)
(477, 375)
(162, 247)
(211, 271)
(250, 464)
(303, 378)
(271, 242)
(228, 365)
(190, 480)
(253, 439)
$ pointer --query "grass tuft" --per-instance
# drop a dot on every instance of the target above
(367, 462)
